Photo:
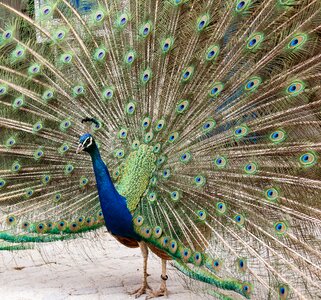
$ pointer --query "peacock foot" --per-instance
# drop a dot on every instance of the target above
(154, 294)
(142, 290)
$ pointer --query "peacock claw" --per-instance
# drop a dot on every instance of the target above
(140, 291)
(154, 294)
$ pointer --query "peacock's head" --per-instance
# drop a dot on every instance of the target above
(86, 142)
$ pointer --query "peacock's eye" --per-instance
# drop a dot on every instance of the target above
(87, 142)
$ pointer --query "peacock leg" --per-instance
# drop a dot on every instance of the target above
(163, 289)
(142, 290)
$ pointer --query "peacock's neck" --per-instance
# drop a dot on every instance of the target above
(117, 217)
(102, 175)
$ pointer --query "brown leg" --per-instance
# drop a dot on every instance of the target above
(144, 286)
(162, 290)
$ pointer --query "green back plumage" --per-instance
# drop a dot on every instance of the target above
(209, 119)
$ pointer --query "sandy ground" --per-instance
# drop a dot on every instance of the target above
(93, 268)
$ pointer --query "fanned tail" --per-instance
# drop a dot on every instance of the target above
(208, 118)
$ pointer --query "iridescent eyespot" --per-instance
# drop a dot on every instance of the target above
(216, 265)
(83, 181)
(18, 53)
(100, 54)
(119, 153)
(187, 74)
(166, 173)
(153, 181)
(212, 52)
(253, 83)
(221, 208)
(48, 95)
(208, 126)
(37, 127)
(161, 160)
(46, 10)
(182, 106)
(185, 157)
(186, 254)
(34, 69)
(122, 134)
(135, 144)
(78, 90)
(251, 168)
(242, 5)
(130, 57)
(62, 225)
(38, 154)
(122, 20)
(16, 167)
(63, 148)
(146, 76)
(7, 35)
(283, 291)
(308, 159)
(241, 264)
(295, 88)
(97, 126)
(41, 227)
(18, 102)
(25, 225)
(175, 195)
(108, 93)
(271, 194)
(173, 137)
(10, 142)
(11, 220)
(152, 196)
(201, 214)
(45, 179)
(157, 232)
(278, 136)
(98, 17)
(165, 241)
(130, 108)
(146, 122)
(59, 35)
(197, 258)
(148, 137)
(66, 58)
(202, 22)
(297, 41)
(57, 197)
(216, 89)
(172, 246)
(167, 44)
(246, 289)
(146, 29)
(280, 228)
(240, 131)
(239, 219)
(160, 124)
(157, 148)
(139, 221)
(254, 41)
(199, 180)
(2, 183)
(64, 125)
(69, 168)
(220, 162)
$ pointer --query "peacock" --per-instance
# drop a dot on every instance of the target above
(191, 129)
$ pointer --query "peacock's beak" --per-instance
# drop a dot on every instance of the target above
(80, 148)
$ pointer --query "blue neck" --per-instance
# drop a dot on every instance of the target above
(118, 219)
